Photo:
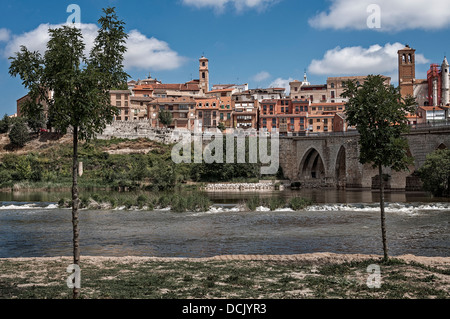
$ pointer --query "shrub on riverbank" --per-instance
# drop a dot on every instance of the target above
(177, 202)
(275, 202)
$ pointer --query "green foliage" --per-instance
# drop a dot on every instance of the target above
(435, 173)
(165, 117)
(299, 203)
(19, 134)
(4, 124)
(221, 126)
(379, 113)
(219, 172)
(80, 85)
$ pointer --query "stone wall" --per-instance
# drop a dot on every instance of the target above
(139, 129)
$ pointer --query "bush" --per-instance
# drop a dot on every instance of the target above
(4, 124)
(19, 134)
(253, 203)
(435, 173)
(298, 203)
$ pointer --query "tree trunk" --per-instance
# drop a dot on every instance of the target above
(75, 205)
(383, 217)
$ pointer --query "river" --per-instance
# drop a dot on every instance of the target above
(340, 221)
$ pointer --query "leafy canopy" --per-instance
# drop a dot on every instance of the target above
(379, 112)
(80, 85)
(435, 173)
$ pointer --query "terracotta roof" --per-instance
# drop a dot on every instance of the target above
(431, 108)
(177, 87)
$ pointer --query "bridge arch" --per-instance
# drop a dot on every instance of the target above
(312, 166)
(442, 146)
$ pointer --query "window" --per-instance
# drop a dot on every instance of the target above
(118, 96)
(221, 116)
(199, 104)
(332, 85)
(318, 120)
(302, 120)
(118, 103)
(228, 116)
(203, 64)
(282, 110)
(274, 122)
(203, 75)
(311, 98)
(292, 121)
(332, 94)
(200, 115)
(311, 122)
(296, 89)
(126, 103)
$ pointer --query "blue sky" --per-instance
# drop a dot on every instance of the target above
(260, 42)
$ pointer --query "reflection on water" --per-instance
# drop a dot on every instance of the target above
(340, 222)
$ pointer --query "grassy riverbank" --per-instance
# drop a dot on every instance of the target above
(269, 277)
(45, 163)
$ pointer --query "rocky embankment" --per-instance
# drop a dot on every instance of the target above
(262, 186)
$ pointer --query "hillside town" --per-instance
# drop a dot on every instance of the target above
(307, 109)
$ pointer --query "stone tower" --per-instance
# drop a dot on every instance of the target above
(204, 74)
(445, 82)
(406, 70)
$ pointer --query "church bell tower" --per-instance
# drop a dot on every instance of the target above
(406, 70)
(204, 74)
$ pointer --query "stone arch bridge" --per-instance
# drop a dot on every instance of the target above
(332, 160)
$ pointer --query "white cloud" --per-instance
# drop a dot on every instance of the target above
(4, 35)
(240, 5)
(261, 76)
(143, 52)
(361, 61)
(282, 83)
(396, 15)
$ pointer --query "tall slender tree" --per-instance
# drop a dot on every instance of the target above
(379, 113)
(80, 101)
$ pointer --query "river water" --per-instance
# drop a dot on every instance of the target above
(340, 222)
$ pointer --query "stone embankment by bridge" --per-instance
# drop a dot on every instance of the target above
(261, 186)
